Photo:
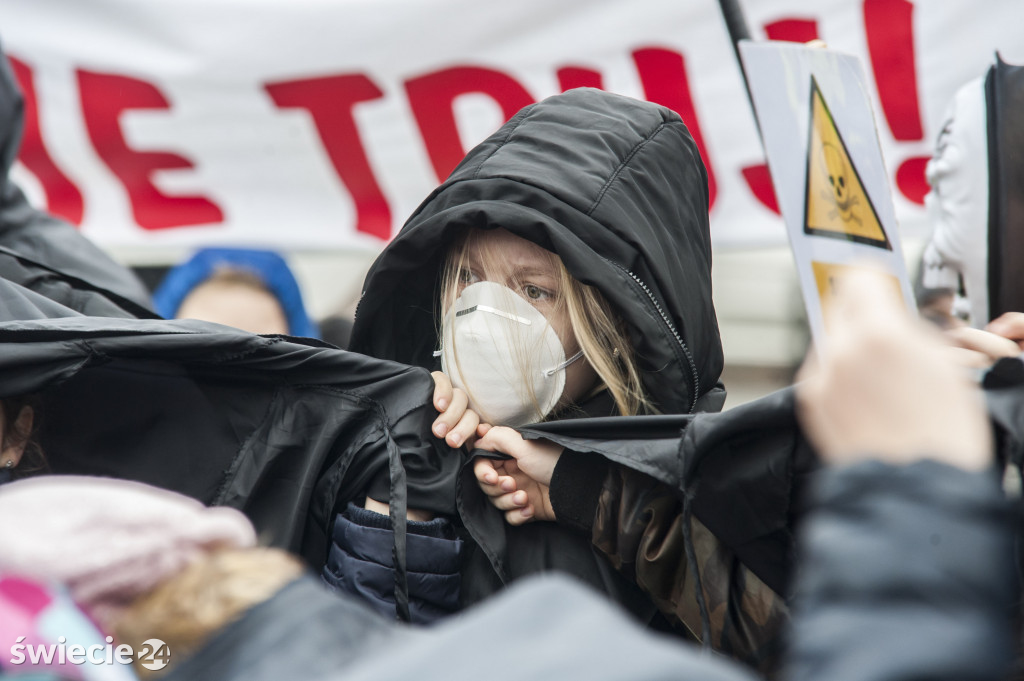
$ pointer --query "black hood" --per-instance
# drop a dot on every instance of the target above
(46, 254)
(616, 188)
(12, 118)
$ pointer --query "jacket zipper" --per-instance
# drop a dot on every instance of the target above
(671, 327)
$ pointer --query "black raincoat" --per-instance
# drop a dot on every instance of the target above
(286, 430)
(616, 188)
(742, 472)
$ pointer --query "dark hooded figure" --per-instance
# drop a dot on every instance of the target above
(562, 271)
(45, 254)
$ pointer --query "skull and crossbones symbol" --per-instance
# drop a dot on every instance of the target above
(838, 171)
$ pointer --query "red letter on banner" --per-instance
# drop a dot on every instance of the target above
(431, 98)
(104, 98)
(889, 25)
(62, 196)
(663, 75)
(759, 179)
(890, 36)
(792, 30)
(330, 101)
(570, 77)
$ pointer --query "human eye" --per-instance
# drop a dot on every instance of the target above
(534, 292)
(466, 277)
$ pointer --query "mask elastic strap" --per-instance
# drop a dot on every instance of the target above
(551, 372)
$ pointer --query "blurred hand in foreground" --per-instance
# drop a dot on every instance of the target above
(886, 390)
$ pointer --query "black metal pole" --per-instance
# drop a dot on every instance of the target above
(736, 24)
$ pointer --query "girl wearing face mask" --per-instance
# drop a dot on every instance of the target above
(561, 271)
(528, 342)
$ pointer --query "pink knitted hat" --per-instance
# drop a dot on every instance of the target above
(108, 540)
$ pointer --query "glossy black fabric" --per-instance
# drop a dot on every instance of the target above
(287, 430)
(748, 469)
(745, 469)
(46, 254)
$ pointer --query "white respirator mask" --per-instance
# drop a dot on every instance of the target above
(505, 347)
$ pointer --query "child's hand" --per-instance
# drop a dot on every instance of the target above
(457, 424)
(518, 486)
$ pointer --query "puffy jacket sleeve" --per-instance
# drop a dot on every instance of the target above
(637, 522)
(360, 563)
(907, 573)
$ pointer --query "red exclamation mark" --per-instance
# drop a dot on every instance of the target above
(758, 179)
(889, 27)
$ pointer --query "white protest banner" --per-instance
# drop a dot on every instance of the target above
(323, 123)
(824, 154)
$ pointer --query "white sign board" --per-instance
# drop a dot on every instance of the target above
(819, 132)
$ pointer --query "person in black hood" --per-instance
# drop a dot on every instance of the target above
(615, 188)
(46, 254)
(584, 222)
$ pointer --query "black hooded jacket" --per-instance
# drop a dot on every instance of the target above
(612, 185)
(616, 188)
(46, 254)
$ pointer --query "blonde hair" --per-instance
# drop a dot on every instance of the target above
(600, 332)
(185, 610)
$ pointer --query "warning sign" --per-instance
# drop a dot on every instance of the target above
(837, 204)
(828, 184)
(827, 275)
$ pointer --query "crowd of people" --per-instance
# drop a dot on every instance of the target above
(519, 468)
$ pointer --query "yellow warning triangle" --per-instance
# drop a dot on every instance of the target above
(837, 205)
